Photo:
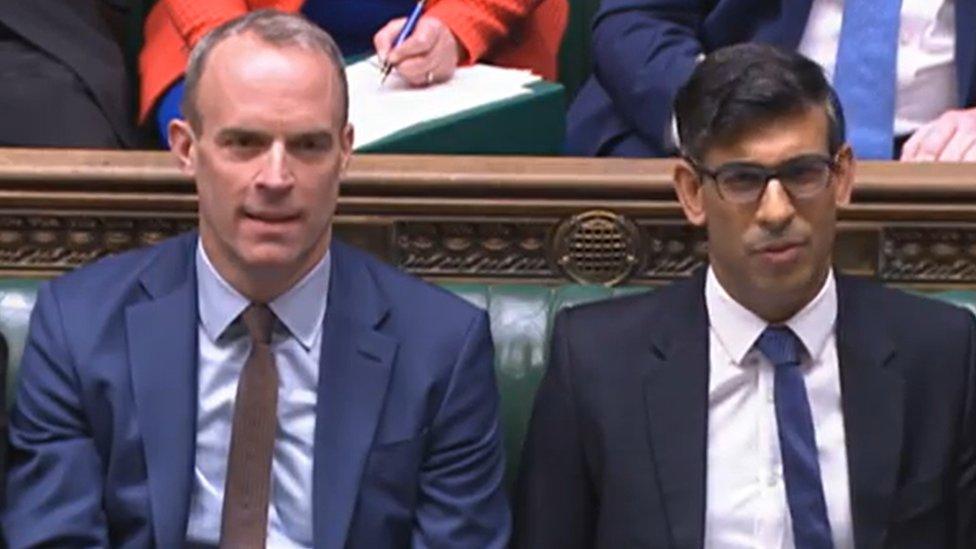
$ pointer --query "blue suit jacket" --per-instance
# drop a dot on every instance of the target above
(645, 50)
(407, 446)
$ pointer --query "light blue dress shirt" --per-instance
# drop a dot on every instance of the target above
(223, 349)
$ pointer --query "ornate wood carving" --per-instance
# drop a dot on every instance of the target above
(929, 254)
(473, 248)
(543, 219)
(52, 243)
(672, 251)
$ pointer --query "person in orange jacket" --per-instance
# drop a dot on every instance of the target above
(451, 33)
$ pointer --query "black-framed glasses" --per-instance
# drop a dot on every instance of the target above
(802, 177)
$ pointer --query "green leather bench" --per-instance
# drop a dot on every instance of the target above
(521, 318)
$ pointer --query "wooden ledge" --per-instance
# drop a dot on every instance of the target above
(483, 218)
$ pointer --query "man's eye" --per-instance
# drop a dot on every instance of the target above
(245, 142)
(805, 173)
(743, 180)
(311, 144)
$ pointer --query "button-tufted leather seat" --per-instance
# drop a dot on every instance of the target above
(521, 319)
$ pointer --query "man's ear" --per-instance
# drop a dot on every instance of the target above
(345, 143)
(690, 192)
(844, 176)
(182, 141)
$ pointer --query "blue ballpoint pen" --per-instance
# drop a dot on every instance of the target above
(405, 33)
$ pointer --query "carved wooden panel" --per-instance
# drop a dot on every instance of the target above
(672, 250)
(48, 243)
(929, 254)
(473, 248)
(593, 247)
(605, 221)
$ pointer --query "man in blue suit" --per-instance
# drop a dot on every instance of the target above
(645, 50)
(258, 383)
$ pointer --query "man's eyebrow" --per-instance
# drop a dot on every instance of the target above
(241, 132)
(318, 133)
(753, 163)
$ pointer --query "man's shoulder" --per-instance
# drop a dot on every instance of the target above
(641, 311)
(894, 299)
(655, 300)
(407, 295)
(118, 273)
(902, 313)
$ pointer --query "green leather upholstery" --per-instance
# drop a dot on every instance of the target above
(3, 414)
(16, 301)
(521, 319)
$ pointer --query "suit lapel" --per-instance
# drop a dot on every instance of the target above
(676, 399)
(355, 370)
(872, 397)
(162, 348)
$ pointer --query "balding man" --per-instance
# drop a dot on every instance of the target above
(257, 382)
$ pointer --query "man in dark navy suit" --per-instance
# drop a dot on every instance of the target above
(645, 50)
(64, 75)
(767, 401)
(259, 382)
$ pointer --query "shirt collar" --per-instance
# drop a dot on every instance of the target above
(218, 303)
(301, 309)
(738, 328)
(815, 322)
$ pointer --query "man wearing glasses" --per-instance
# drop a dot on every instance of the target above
(767, 401)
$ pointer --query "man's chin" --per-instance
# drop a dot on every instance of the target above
(282, 255)
(793, 282)
(270, 256)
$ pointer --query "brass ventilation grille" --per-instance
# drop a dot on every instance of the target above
(597, 247)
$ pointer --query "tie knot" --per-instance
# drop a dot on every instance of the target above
(258, 319)
(780, 345)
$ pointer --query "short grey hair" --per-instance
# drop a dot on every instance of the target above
(272, 27)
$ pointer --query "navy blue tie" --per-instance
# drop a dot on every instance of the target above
(797, 444)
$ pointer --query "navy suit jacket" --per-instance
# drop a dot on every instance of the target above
(407, 446)
(75, 34)
(645, 50)
(616, 449)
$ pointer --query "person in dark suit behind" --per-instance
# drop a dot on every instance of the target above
(261, 382)
(64, 77)
(644, 51)
(766, 401)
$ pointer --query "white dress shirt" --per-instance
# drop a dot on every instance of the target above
(223, 349)
(926, 52)
(745, 504)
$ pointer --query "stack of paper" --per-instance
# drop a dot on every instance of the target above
(377, 111)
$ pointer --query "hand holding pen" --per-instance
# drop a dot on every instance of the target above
(405, 31)
(423, 55)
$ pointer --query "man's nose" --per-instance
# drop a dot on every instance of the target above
(276, 168)
(776, 209)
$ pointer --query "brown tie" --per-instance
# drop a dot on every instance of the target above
(244, 523)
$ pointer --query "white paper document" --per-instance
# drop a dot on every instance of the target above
(377, 111)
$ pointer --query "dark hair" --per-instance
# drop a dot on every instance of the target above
(735, 88)
(272, 27)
